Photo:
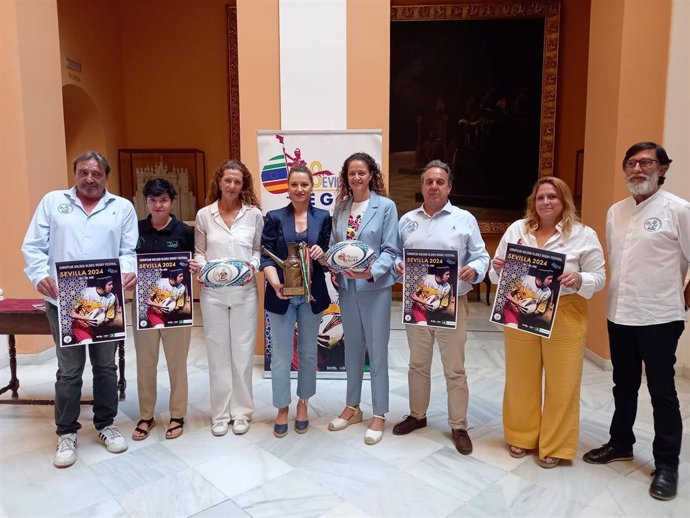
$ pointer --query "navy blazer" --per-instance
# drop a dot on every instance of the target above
(378, 229)
(279, 230)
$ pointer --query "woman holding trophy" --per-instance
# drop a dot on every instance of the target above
(229, 227)
(293, 238)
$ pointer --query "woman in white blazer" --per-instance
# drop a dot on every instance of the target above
(230, 227)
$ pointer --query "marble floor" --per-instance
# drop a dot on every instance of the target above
(323, 473)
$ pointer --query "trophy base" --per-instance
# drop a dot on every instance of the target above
(293, 292)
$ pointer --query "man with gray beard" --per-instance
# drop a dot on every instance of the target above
(648, 238)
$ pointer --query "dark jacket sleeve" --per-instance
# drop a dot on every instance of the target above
(269, 238)
(325, 238)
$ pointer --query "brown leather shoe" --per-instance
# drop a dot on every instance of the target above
(462, 441)
(409, 424)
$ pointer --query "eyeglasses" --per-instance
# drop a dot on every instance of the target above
(645, 163)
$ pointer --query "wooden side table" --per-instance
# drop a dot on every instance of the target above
(21, 317)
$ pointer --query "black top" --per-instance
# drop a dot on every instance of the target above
(175, 237)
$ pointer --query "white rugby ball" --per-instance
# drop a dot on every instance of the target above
(97, 317)
(528, 306)
(433, 302)
(330, 330)
(220, 273)
(352, 255)
(168, 304)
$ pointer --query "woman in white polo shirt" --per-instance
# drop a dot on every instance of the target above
(230, 227)
(550, 223)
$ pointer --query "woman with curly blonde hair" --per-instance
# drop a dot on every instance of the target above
(549, 424)
(229, 227)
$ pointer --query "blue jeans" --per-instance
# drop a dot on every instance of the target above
(282, 334)
(71, 362)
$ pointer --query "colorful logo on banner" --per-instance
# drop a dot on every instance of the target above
(274, 175)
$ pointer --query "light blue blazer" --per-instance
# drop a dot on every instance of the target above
(378, 229)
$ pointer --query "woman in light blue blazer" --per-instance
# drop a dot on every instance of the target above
(365, 214)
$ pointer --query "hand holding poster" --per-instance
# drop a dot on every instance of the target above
(528, 290)
(90, 302)
(430, 288)
(163, 295)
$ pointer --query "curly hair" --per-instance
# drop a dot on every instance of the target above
(569, 216)
(375, 184)
(247, 196)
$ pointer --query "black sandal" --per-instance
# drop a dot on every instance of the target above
(145, 433)
(180, 424)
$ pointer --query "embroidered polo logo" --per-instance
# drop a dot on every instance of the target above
(411, 227)
(65, 208)
(172, 244)
(652, 225)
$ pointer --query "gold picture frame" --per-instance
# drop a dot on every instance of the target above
(492, 219)
(185, 168)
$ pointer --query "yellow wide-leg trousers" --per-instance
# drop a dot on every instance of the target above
(550, 424)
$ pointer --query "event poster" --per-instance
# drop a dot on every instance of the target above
(528, 290)
(164, 291)
(430, 288)
(90, 302)
(323, 152)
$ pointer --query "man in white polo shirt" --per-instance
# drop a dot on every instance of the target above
(439, 225)
(648, 238)
(81, 223)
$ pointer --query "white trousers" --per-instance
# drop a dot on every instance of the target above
(230, 331)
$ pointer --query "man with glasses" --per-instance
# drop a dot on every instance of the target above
(648, 238)
(85, 222)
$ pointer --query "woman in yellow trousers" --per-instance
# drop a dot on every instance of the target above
(549, 422)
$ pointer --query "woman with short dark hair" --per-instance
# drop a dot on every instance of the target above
(161, 232)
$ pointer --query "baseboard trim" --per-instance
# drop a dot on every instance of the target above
(36, 358)
(597, 360)
(682, 371)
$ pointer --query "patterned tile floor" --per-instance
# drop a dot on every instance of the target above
(322, 473)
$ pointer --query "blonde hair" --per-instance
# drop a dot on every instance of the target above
(569, 216)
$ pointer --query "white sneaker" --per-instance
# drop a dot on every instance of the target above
(114, 441)
(66, 453)
(220, 429)
(240, 426)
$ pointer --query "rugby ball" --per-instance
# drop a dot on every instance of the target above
(168, 304)
(97, 317)
(220, 273)
(352, 255)
(433, 302)
(330, 330)
(528, 306)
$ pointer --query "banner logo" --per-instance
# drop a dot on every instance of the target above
(274, 175)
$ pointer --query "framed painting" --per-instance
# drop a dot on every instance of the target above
(474, 85)
(184, 168)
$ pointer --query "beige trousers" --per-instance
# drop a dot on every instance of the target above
(176, 348)
(451, 344)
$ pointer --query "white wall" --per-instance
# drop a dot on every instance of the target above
(677, 129)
